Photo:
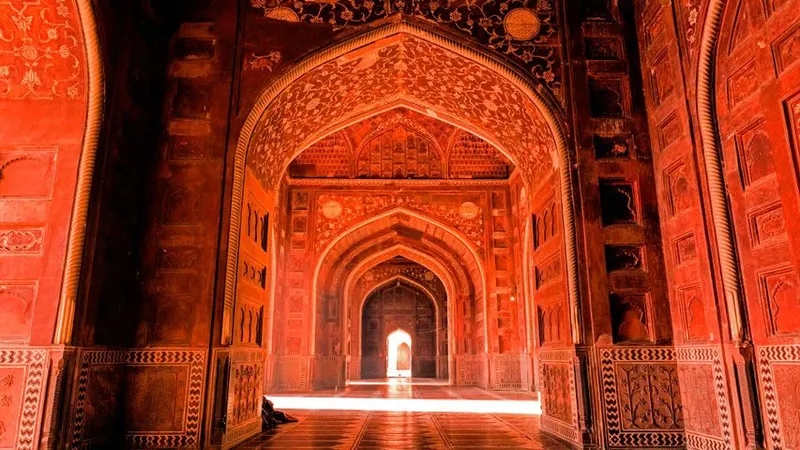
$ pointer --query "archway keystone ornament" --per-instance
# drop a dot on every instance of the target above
(340, 81)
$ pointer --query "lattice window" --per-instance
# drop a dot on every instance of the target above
(472, 157)
(399, 153)
(328, 158)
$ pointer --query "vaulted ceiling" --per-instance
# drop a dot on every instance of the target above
(401, 143)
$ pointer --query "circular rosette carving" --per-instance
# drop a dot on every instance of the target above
(283, 13)
(332, 209)
(521, 24)
(469, 211)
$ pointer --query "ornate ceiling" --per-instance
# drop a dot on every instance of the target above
(401, 144)
(401, 70)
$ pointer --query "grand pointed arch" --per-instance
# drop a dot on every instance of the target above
(271, 137)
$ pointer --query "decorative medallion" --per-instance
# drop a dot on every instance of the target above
(429, 276)
(331, 209)
(283, 13)
(469, 210)
(521, 24)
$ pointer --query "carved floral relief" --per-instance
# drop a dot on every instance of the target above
(40, 50)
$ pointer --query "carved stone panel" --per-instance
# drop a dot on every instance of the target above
(678, 186)
(649, 397)
(779, 294)
(767, 224)
(642, 397)
(742, 83)
(613, 147)
(19, 167)
(662, 78)
(16, 303)
(21, 240)
(624, 257)
(693, 313)
(754, 152)
(156, 399)
(557, 399)
(22, 392)
(700, 405)
(685, 249)
(786, 49)
(11, 396)
(608, 98)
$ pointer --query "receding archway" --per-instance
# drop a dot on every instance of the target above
(535, 144)
(399, 349)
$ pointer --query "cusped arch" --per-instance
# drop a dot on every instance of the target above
(281, 123)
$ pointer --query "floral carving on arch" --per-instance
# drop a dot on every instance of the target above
(524, 30)
(41, 50)
(352, 86)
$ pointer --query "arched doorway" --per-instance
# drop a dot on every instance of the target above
(398, 347)
(394, 314)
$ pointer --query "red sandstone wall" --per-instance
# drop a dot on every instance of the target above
(697, 313)
(757, 102)
(624, 317)
(43, 99)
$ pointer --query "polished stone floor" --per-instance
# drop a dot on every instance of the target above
(375, 427)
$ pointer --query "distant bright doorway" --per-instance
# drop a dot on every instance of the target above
(399, 352)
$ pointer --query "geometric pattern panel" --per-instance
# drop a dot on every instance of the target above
(22, 377)
(642, 398)
(780, 378)
(399, 153)
(169, 385)
(327, 158)
(704, 389)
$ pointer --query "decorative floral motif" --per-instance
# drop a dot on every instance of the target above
(537, 47)
(40, 50)
(689, 12)
(266, 62)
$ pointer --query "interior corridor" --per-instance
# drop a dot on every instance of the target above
(407, 414)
